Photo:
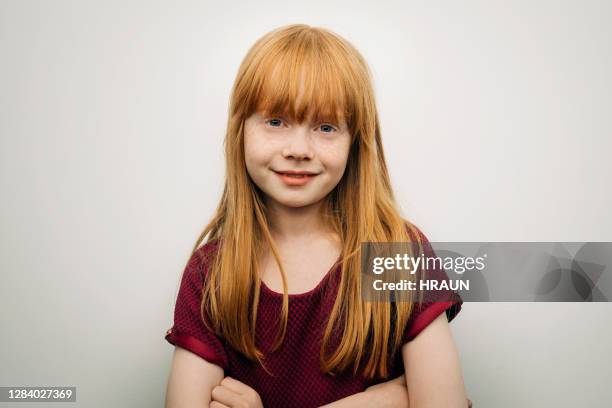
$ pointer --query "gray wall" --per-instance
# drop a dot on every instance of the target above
(113, 115)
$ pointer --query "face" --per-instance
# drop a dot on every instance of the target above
(295, 165)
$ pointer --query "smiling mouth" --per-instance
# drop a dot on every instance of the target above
(297, 175)
(295, 179)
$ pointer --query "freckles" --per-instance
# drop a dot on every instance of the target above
(335, 153)
(254, 141)
(260, 150)
(265, 148)
(334, 162)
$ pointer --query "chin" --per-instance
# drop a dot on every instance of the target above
(294, 202)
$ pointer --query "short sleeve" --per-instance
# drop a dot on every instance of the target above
(188, 330)
(435, 302)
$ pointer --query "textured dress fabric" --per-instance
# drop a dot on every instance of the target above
(293, 377)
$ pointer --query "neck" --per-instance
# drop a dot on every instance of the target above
(295, 224)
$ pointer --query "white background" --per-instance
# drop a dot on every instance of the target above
(496, 124)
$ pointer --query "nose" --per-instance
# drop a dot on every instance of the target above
(299, 145)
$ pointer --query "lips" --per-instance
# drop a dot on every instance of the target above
(294, 177)
(295, 173)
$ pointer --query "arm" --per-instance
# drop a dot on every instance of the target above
(392, 393)
(191, 380)
(433, 370)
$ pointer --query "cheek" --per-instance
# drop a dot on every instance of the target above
(334, 157)
(256, 152)
(249, 155)
(252, 161)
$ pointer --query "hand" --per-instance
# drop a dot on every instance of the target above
(231, 393)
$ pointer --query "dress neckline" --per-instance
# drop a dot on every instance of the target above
(308, 293)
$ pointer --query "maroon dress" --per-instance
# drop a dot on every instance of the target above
(296, 380)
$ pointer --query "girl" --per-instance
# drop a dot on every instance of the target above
(269, 311)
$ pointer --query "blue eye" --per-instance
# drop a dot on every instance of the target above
(274, 122)
(325, 126)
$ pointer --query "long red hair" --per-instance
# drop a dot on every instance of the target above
(361, 208)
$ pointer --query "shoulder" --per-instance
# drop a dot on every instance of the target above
(415, 233)
(206, 251)
(199, 262)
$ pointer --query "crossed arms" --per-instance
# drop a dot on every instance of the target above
(431, 360)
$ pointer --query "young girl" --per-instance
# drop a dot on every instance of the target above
(270, 310)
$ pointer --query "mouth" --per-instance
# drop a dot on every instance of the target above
(295, 178)
(296, 174)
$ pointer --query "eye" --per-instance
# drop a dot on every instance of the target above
(274, 122)
(327, 128)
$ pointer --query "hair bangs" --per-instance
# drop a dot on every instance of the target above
(304, 80)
